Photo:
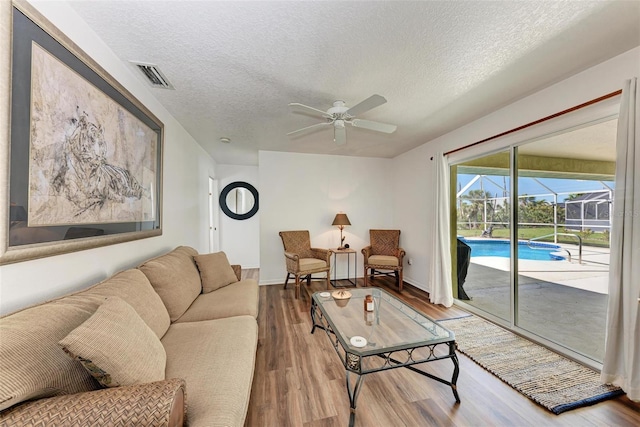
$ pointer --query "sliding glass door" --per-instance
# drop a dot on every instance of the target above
(555, 194)
(483, 234)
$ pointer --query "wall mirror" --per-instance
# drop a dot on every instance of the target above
(239, 200)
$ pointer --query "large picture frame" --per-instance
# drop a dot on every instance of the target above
(83, 156)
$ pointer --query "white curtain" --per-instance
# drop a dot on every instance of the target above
(440, 277)
(622, 349)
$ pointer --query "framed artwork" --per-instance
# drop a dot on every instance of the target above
(84, 157)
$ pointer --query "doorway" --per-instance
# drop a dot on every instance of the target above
(214, 216)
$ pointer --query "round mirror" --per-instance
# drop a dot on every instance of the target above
(239, 200)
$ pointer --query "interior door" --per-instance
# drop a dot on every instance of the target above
(214, 216)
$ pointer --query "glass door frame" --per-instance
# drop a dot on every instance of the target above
(511, 323)
(513, 234)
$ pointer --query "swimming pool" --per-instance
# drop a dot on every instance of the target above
(501, 248)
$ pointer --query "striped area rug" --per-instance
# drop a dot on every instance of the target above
(553, 381)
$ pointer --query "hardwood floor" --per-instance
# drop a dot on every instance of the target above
(299, 380)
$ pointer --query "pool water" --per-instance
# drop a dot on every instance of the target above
(501, 248)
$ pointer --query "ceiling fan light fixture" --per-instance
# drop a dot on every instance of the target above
(339, 109)
(339, 115)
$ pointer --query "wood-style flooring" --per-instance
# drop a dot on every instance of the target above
(299, 380)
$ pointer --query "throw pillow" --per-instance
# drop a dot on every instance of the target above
(175, 277)
(116, 346)
(215, 271)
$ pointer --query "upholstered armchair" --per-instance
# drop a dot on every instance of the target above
(384, 253)
(303, 260)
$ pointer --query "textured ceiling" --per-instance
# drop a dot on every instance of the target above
(594, 142)
(441, 64)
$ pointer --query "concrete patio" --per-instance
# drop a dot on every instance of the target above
(565, 302)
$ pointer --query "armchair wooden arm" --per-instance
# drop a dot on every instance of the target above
(161, 403)
(366, 253)
(292, 256)
(324, 254)
(292, 261)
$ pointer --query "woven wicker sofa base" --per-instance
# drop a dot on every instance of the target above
(156, 404)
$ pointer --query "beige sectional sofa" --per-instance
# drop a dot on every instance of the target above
(128, 350)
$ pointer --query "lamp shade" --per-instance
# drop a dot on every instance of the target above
(341, 219)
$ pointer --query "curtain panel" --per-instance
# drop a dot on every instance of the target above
(440, 283)
(621, 364)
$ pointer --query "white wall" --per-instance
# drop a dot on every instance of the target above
(413, 200)
(413, 170)
(305, 191)
(185, 200)
(240, 240)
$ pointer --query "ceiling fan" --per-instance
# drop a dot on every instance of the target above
(340, 115)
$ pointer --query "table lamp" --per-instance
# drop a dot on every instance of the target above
(341, 220)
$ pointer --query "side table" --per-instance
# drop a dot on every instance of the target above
(348, 252)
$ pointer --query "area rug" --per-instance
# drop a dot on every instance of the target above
(553, 381)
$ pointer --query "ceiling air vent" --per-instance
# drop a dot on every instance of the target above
(154, 76)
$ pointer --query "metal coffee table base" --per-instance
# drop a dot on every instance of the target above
(353, 395)
(354, 389)
(353, 363)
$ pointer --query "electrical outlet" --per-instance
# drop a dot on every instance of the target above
(410, 261)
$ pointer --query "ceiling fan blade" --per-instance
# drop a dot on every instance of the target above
(309, 110)
(340, 135)
(317, 125)
(368, 104)
(377, 126)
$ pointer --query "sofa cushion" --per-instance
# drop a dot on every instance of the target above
(116, 346)
(215, 271)
(134, 287)
(217, 367)
(311, 264)
(29, 338)
(32, 365)
(383, 260)
(175, 277)
(237, 299)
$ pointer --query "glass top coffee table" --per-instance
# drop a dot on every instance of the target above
(393, 335)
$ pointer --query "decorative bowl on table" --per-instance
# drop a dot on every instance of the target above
(341, 297)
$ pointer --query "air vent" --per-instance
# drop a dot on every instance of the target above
(154, 76)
